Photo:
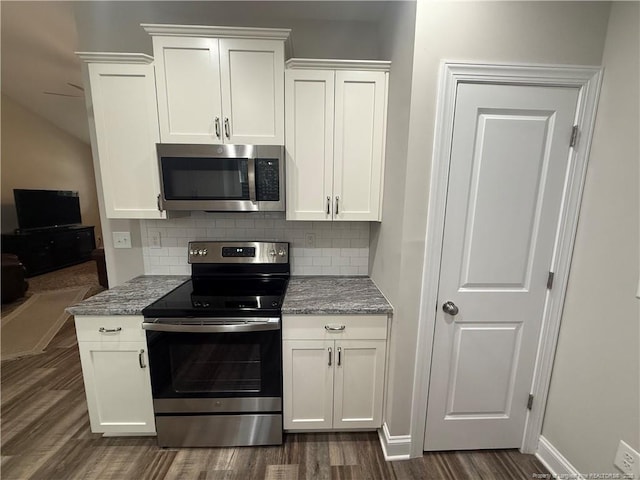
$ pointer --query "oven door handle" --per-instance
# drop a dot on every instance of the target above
(224, 328)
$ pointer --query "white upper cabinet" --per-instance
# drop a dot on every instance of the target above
(335, 137)
(123, 94)
(220, 85)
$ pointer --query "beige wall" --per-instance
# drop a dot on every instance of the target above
(594, 399)
(385, 254)
(36, 154)
(517, 32)
(310, 38)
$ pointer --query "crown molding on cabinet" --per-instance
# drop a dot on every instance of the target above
(321, 64)
(115, 57)
(218, 32)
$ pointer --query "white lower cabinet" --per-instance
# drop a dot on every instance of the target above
(333, 371)
(113, 353)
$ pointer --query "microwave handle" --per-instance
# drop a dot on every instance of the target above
(252, 179)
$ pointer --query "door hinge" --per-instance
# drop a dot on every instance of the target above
(530, 401)
(550, 281)
(574, 136)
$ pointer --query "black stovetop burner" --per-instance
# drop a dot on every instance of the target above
(229, 279)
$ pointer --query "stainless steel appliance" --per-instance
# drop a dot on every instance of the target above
(239, 178)
(215, 347)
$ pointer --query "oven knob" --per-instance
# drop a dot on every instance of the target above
(204, 251)
(200, 252)
(272, 253)
(197, 304)
(281, 253)
(205, 304)
(274, 304)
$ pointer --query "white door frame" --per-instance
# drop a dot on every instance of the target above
(588, 80)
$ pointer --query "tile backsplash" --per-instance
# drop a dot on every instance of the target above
(317, 248)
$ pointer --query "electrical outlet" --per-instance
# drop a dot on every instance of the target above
(121, 239)
(627, 460)
(309, 240)
(154, 240)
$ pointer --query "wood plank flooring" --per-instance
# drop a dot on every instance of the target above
(45, 434)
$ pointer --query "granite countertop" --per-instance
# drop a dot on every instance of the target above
(334, 295)
(130, 297)
(305, 295)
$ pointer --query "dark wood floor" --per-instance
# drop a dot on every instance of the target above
(46, 435)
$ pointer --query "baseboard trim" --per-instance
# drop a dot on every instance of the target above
(555, 462)
(394, 447)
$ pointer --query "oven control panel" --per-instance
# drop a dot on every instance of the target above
(238, 252)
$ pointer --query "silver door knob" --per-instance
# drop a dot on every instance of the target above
(450, 308)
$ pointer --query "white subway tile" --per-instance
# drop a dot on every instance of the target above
(331, 270)
(303, 261)
(340, 242)
(359, 243)
(359, 261)
(349, 270)
(180, 270)
(341, 261)
(245, 223)
(363, 270)
(363, 252)
(225, 223)
(330, 252)
(321, 261)
(315, 270)
(160, 270)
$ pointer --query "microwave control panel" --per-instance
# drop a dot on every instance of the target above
(267, 179)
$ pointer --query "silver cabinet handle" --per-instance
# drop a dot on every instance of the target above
(110, 330)
(328, 205)
(330, 352)
(217, 124)
(339, 356)
(337, 207)
(227, 128)
(159, 205)
(339, 328)
(141, 359)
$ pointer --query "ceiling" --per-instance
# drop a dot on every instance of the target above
(38, 40)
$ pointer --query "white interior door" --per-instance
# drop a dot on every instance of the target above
(509, 159)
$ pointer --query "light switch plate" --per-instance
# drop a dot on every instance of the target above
(121, 239)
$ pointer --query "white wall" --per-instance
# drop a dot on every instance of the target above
(339, 248)
(535, 32)
(594, 400)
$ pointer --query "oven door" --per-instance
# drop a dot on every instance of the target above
(192, 361)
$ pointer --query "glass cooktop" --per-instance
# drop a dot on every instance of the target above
(222, 296)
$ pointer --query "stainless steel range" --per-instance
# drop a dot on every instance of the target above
(215, 347)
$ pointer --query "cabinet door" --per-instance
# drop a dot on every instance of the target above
(126, 124)
(359, 384)
(309, 144)
(308, 384)
(188, 76)
(118, 389)
(252, 78)
(360, 115)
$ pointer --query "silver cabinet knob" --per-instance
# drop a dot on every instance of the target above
(450, 308)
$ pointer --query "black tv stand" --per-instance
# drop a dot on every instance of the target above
(46, 250)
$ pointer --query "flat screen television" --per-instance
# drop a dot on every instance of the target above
(45, 209)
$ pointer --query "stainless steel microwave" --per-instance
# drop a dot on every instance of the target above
(221, 178)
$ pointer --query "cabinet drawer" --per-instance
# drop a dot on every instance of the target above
(334, 327)
(116, 328)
